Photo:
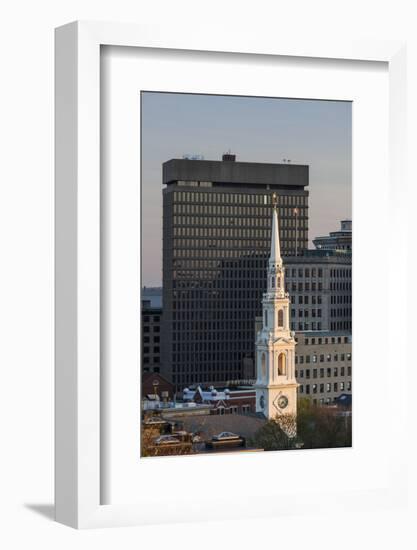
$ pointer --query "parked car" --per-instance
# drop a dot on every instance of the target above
(167, 440)
(225, 436)
(225, 440)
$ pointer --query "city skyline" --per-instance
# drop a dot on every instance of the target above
(317, 133)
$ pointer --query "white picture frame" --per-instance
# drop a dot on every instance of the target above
(78, 263)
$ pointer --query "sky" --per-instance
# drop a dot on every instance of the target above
(317, 133)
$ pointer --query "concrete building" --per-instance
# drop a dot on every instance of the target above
(216, 237)
(320, 286)
(337, 240)
(276, 384)
(151, 313)
(323, 365)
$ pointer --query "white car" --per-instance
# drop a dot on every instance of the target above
(225, 436)
(166, 440)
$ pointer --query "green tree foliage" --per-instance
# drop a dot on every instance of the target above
(323, 427)
(317, 427)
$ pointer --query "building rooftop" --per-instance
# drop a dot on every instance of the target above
(245, 425)
(151, 297)
(232, 172)
(319, 256)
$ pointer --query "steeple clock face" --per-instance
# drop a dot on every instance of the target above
(282, 401)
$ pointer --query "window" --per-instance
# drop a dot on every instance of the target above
(321, 373)
(314, 358)
(314, 388)
(281, 364)
(281, 318)
(328, 387)
(307, 373)
(321, 358)
(342, 386)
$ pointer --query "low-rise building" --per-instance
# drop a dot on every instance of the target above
(336, 240)
(323, 363)
(224, 401)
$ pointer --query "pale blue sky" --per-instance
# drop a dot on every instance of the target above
(317, 133)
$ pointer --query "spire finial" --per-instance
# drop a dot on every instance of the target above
(274, 200)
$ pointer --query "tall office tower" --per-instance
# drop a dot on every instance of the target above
(216, 238)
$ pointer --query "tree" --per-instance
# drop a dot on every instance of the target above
(317, 427)
(323, 427)
(271, 436)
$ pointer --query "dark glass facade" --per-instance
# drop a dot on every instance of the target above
(216, 240)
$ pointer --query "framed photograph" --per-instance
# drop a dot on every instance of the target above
(221, 210)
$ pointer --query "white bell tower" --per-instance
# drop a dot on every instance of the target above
(276, 386)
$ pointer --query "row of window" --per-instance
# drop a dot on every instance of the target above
(304, 272)
(305, 287)
(341, 325)
(306, 312)
(306, 299)
(155, 349)
(156, 359)
(203, 209)
(319, 373)
(341, 312)
(155, 328)
(261, 248)
(148, 318)
(155, 340)
(201, 332)
(237, 198)
(325, 340)
(340, 273)
(300, 359)
(325, 388)
(306, 326)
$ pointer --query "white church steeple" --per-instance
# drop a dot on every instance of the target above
(276, 386)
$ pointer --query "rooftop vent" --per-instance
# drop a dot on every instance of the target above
(229, 157)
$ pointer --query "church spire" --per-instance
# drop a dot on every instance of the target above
(275, 255)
